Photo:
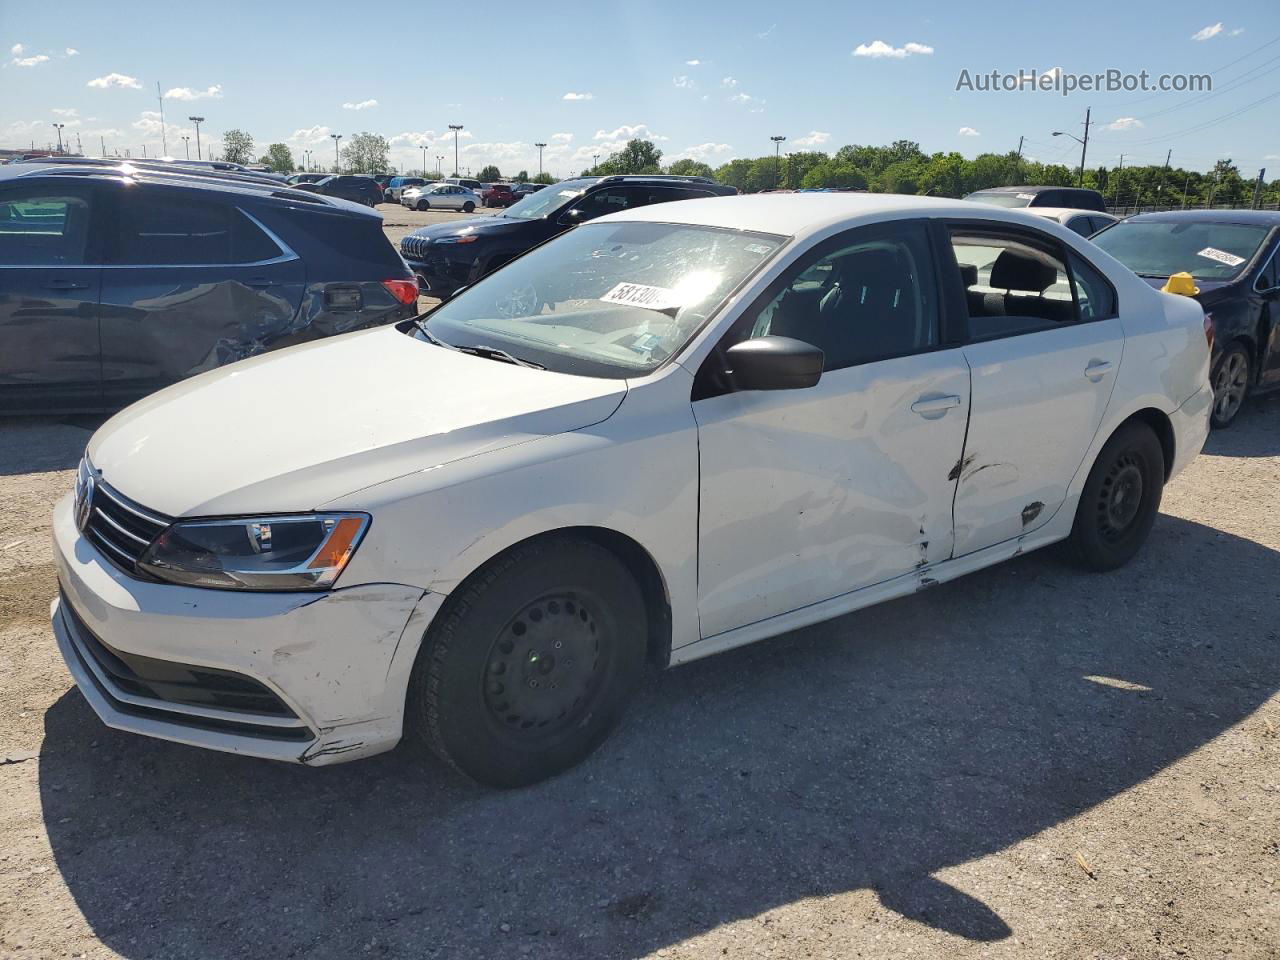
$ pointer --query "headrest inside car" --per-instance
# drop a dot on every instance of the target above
(1014, 270)
(969, 274)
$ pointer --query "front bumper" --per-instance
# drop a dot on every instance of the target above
(330, 670)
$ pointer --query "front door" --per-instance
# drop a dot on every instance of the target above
(812, 493)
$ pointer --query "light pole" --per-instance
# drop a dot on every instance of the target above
(456, 128)
(336, 137)
(439, 160)
(595, 161)
(1084, 144)
(424, 161)
(58, 127)
(539, 146)
(777, 159)
(197, 121)
(186, 142)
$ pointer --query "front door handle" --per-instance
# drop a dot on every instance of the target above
(1097, 369)
(259, 282)
(68, 285)
(926, 406)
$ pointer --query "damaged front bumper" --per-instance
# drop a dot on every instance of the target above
(312, 678)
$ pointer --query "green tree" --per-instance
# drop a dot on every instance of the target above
(833, 173)
(278, 158)
(688, 167)
(237, 146)
(522, 176)
(543, 178)
(638, 156)
(735, 173)
(489, 174)
(366, 153)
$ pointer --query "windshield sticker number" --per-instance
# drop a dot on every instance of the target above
(642, 295)
(1213, 253)
(757, 248)
(1026, 196)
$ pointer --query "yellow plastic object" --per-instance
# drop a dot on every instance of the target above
(1181, 283)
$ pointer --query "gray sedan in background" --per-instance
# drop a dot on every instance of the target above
(443, 196)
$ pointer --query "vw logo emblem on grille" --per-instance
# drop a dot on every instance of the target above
(84, 501)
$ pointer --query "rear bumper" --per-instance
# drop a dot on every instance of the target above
(1190, 428)
(330, 670)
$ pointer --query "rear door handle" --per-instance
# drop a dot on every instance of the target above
(259, 282)
(1098, 369)
(68, 285)
(931, 405)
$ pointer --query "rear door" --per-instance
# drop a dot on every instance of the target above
(50, 358)
(1044, 346)
(192, 282)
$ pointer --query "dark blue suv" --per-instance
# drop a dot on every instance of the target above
(446, 256)
(116, 281)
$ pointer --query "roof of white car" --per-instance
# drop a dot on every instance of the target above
(801, 214)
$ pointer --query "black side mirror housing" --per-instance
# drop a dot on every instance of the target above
(774, 363)
(571, 217)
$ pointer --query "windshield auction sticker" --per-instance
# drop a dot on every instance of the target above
(1213, 253)
(641, 295)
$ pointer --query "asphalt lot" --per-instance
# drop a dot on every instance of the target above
(1030, 761)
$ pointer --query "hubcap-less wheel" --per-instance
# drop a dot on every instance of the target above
(1120, 498)
(543, 667)
(1230, 385)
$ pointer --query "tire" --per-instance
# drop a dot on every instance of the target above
(468, 207)
(533, 615)
(1230, 381)
(422, 206)
(1120, 499)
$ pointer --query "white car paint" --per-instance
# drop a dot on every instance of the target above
(1084, 222)
(440, 196)
(813, 502)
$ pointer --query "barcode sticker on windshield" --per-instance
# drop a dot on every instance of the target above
(758, 248)
(1213, 253)
(1026, 196)
(641, 295)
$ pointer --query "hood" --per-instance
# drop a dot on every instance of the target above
(480, 226)
(294, 429)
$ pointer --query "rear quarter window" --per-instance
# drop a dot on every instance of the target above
(336, 247)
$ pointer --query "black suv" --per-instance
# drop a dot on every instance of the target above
(357, 188)
(113, 286)
(446, 256)
(1072, 198)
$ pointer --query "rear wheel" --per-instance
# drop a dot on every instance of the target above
(468, 207)
(1120, 499)
(1230, 384)
(528, 666)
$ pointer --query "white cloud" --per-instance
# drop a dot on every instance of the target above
(1124, 123)
(362, 105)
(703, 151)
(115, 80)
(766, 34)
(72, 52)
(816, 138)
(1209, 32)
(967, 132)
(878, 50)
(728, 82)
(637, 131)
(578, 96)
(1236, 32)
(186, 93)
(35, 61)
(683, 82)
(692, 63)
(1272, 156)
(562, 138)
(148, 123)
(66, 111)
(16, 50)
(755, 103)
(310, 136)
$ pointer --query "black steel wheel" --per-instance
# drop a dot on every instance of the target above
(1120, 499)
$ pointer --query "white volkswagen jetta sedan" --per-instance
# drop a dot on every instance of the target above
(669, 432)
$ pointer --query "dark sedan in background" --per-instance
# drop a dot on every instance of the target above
(446, 256)
(115, 282)
(1231, 254)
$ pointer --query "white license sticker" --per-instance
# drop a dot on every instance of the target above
(642, 295)
(757, 248)
(1213, 253)
(1026, 196)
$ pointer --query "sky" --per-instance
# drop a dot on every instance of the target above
(712, 81)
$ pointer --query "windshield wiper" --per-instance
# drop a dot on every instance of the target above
(493, 353)
(421, 324)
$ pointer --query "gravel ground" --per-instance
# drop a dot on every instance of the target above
(1030, 761)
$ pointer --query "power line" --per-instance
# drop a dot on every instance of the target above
(1216, 70)
(1208, 123)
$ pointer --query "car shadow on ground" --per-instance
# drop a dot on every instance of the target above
(43, 444)
(1254, 433)
(870, 752)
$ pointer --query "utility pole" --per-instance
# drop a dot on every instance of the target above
(1020, 139)
(164, 142)
(1115, 194)
(595, 161)
(103, 141)
(1257, 188)
(186, 142)
(1084, 144)
(456, 128)
(79, 148)
(539, 146)
(424, 161)
(197, 121)
(1163, 174)
(336, 137)
(1186, 184)
(777, 159)
(1217, 172)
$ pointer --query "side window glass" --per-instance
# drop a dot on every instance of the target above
(157, 228)
(1012, 285)
(40, 227)
(1081, 225)
(870, 300)
(611, 200)
(1095, 297)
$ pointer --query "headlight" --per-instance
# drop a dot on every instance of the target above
(257, 553)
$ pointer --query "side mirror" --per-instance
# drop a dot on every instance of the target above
(455, 293)
(572, 217)
(774, 363)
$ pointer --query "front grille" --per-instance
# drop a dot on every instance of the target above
(120, 528)
(203, 697)
(414, 248)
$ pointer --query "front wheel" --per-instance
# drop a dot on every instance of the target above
(422, 206)
(468, 207)
(1120, 499)
(529, 664)
(1230, 384)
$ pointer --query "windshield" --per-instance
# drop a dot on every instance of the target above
(995, 198)
(607, 299)
(1207, 251)
(542, 202)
